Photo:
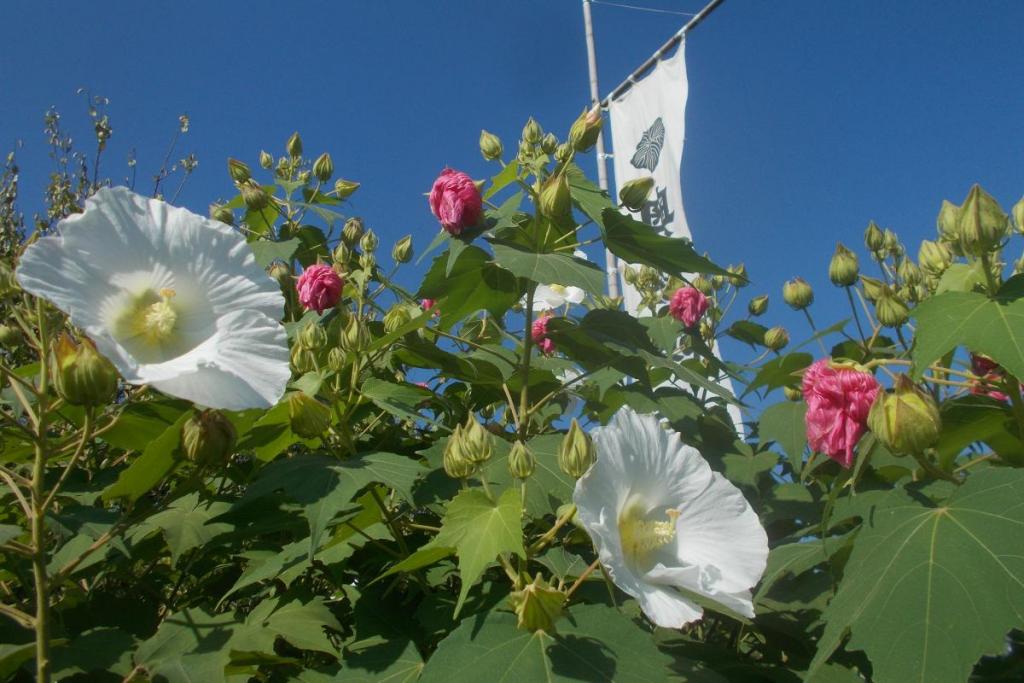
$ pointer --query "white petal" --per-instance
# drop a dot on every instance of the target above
(719, 532)
(545, 298)
(579, 253)
(667, 608)
(692, 578)
(574, 295)
(243, 365)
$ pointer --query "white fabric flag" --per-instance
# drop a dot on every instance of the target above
(648, 131)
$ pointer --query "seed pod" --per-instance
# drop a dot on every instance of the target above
(208, 438)
(576, 453)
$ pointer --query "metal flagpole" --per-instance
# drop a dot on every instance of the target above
(595, 100)
(611, 266)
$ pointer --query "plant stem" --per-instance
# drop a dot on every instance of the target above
(583, 577)
(390, 522)
(810, 321)
(524, 393)
(856, 316)
(934, 471)
(38, 517)
(550, 534)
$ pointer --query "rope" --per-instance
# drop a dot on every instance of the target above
(643, 9)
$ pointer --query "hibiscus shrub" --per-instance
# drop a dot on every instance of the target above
(239, 448)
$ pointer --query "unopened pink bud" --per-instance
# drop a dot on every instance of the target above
(455, 201)
(319, 287)
(839, 398)
(539, 334)
(688, 304)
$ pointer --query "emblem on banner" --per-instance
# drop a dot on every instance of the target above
(655, 213)
(648, 150)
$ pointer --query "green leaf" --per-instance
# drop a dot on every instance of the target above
(141, 423)
(479, 529)
(663, 330)
(548, 487)
(400, 400)
(185, 524)
(783, 423)
(929, 589)
(425, 556)
(268, 251)
(946, 321)
(961, 277)
(188, 647)
(475, 283)
(597, 643)
(747, 332)
(554, 268)
(300, 623)
(272, 434)
(636, 242)
(503, 179)
(780, 372)
(590, 198)
(96, 650)
(146, 471)
(324, 486)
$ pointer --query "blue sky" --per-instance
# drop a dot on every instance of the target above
(805, 120)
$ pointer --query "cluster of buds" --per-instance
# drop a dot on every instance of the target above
(469, 446)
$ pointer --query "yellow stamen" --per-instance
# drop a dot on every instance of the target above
(150, 319)
(640, 536)
(558, 289)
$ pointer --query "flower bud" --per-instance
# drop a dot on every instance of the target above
(345, 188)
(10, 337)
(758, 305)
(948, 221)
(909, 272)
(254, 196)
(890, 309)
(532, 132)
(563, 153)
(521, 462)
(396, 317)
(354, 336)
(776, 338)
(634, 193)
(456, 464)
(891, 243)
(843, 268)
(906, 419)
(402, 251)
(238, 170)
(323, 167)
(308, 417)
(738, 275)
(576, 453)
(302, 359)
(872, 287)
(554, 200)
(584, 131)
(793, 393)
(490, 146)
(1018, 215)
(630, 274)
(266, 161)
(934, 257)
(797, 293)
(8, 283)
(81, 376)
(369, 242)
(281, 273)
(874, 238)
(549, 143)
(208, 438)
(703, 285)
(294, 146)
(981, 223)
(476, 442)
(219, 212)
(313, 337)
(353, 231)
(537, 606)
(525, 152)
(342, 254)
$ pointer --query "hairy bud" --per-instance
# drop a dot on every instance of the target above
(396, 317)
(555, 201)
(521, 462)
(890, 309)
(584, 131)
(758, 305)
(703, 285)
(934, 257)
(549, 143)
(843, 269)
(345, 188)
(532, 132)
(208, 438)
(353, 231)
(909, 272)
(312, 337)
(576, 453)
(456, 464)
(238, 170)
(254, 196)
(947, 223)
(81, 376)
(476, 442)
(1018, 215)
(981, 223)
(797, 294)
(266, 161)
(294, 146)
(874, 238)
(634, 193)
(369, 242)
(490, 146)
(402, 251)
(563, 153)
(776, 338)
(793, 393)
(323, 167)
(906, 419)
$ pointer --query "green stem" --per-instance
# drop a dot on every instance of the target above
(583, 577)
(524, 393)
(990, 278)
(553, 531)
(810, 321)
(856, 316)
(929, 467)
(38, 519)
(390, 522)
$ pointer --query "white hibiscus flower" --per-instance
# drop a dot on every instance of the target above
(660, 517)
(551, 296)
(173, 299)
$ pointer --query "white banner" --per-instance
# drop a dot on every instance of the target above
(648, 132)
